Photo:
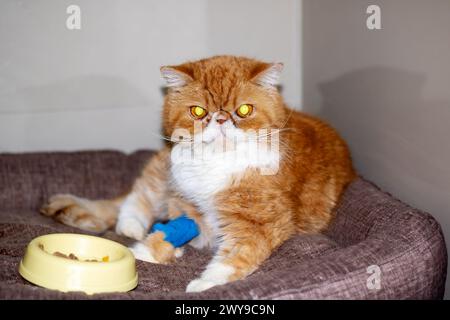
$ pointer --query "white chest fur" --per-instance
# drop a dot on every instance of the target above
(198, 178)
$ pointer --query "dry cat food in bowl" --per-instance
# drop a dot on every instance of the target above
(76, 262)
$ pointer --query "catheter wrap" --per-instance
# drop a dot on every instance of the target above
(178, 231)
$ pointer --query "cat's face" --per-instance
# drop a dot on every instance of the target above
(221, 97)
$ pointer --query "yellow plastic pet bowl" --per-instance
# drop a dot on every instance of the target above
(102, 266)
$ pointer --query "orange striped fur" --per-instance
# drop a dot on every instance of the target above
(243, 215)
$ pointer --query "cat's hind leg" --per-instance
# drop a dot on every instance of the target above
(132, 213)
(90, 215)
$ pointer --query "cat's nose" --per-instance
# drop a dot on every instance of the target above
(222, 117)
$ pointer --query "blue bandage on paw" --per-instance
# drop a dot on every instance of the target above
(178, 231)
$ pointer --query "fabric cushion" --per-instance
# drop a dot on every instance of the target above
(371, 228)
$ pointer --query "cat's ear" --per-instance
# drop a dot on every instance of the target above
(176, 76)
(267, 74)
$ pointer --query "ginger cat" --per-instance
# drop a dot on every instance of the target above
(247, 197)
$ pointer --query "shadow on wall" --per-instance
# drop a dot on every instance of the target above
(75, 93)
(397, 138)
(382, 114)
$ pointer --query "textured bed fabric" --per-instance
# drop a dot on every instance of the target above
(370, 228)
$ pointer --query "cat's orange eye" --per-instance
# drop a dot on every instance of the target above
(198, 112)
(244, 110)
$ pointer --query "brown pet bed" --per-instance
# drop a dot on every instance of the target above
(371, 228)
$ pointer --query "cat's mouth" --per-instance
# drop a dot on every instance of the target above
(217, 132)
(220, 136)
(223, 131)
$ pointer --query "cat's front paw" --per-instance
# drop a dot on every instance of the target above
(131, 227)
(200, 284)
(142, 252)
(216, 273)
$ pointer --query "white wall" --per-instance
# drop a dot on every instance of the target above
(387, 92)
(99, 87)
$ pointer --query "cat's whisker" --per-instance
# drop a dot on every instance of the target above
(171, 139)
(270, 134)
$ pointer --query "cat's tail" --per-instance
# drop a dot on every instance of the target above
(90, 215)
